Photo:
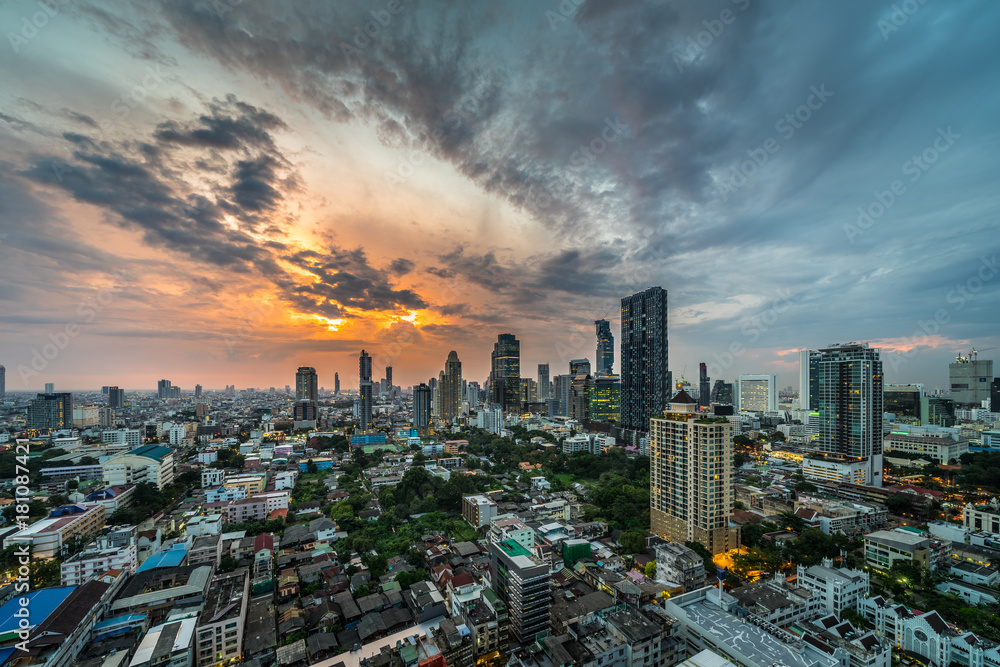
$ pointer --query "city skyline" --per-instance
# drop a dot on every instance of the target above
(221, 220)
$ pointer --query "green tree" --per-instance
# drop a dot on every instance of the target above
(650, 569)
(633, 542)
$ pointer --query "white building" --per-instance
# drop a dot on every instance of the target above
(212, 477)
(209, 524)
(82, 567)
(126, 436)
(839, 588)
(169, 644)
(285, 479)
(151, 463)
(757, 393)
(208, 456)
(941, 449)
(834, 468)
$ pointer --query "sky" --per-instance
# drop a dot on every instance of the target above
(220, 191)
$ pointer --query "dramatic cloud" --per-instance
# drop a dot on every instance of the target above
(793, 175)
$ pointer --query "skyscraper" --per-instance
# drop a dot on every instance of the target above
(722, 392)
(51, 411)
(116, 398)
(579, 397)
(691, 477)
(50, 388)
(197, 391)
(994, 394)
(451, 388)
(163, 389)
(365, 375)
(3, 382)
(562, 385)
(306, 384)
(505, 373)
(644, 375)
(704, 385)
(605, 348)
(605, 399)
(757, 393)
(422, 405)
(544, 389)
(579, 367)
(336, 384)
(388, 379)
(848, 404)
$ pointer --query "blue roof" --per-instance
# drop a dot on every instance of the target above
(151, 451)
(118, 620)
(5, 654)
(41, 605)
(172, 557)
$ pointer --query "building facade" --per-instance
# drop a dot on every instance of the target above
(645, 378)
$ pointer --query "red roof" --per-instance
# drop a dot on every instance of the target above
(263, 541)
(282, 513)
(464, 579)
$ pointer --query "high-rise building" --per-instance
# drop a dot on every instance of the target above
(969, 379)
(336, 384)
(388, 379)
(421, 405)
(644, 375)
(3, 382)
(704, 386)
(51, 411)
(365, 376)
(757, 393)
(722, 392)
(163, 389)
(521, 581)
(579, 397)
(563, 385)
(691, 477)
(605, 399)
(605, 348)
(116, 398)
(994, 394)
(579, 367)
(50, 388)
(450, 388)
(544, 389)
(306, 384)
(197, 391)
(505, 373)
(528, 391)
(848, 404)
(903, 400)
(937, 411)
(808, 379)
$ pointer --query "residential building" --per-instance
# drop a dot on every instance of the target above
(645, 380)
(150, 463)
(422, 406)
(169, 644)
(510, 527)
(836, 468)
(306, 384)
(903, 400)
(521, 582)
(478, 510)
(691, 477)
(62, 528)
(222, 619)
(50, 412)
(839, 588)
(125, 436)
(680, 565)
(982, 517)
(848, 404)
(96, 560)
(776, 601)
(757, 393)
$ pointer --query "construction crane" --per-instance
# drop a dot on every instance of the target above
(975, 352)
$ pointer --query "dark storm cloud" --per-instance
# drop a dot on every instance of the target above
(138, 186)
(401, 266)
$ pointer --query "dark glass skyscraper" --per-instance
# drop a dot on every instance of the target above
(849, 404)
(605, 348)
(336, 383)
(306, 384)
(704, 386)
(644, 375)
(365, 375)
(505, 373)
(51, 411)
(116, 398)
(421, 405)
